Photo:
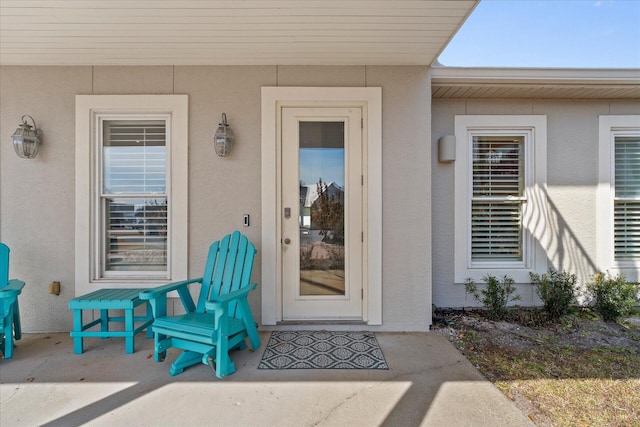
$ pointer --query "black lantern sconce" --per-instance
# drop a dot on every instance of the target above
(27, 139)
(223, 138)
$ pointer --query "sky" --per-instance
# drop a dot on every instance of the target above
(325, 163)
(548, 34)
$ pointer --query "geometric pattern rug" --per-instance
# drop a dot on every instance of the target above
(322, 350)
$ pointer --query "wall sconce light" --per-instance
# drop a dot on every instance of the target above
(222, 139)
(27, 139)
(447, 149)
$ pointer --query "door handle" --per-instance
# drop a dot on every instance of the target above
(287, 241)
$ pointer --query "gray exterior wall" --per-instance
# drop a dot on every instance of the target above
(37, 196)
(572, 176)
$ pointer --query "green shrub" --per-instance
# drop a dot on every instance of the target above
(556, 290)
(495, 296)
(612, 296)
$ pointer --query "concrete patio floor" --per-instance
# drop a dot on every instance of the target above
(429, 383)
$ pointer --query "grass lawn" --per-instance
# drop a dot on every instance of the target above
(579, 371)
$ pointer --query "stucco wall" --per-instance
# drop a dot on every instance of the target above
(37, 196)
(572, 174)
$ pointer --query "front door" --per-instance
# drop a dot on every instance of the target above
(321, 213)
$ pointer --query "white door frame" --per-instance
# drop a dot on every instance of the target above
(273, 100)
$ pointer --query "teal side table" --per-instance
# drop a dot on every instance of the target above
(105, 300)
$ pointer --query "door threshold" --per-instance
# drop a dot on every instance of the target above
(320, 322)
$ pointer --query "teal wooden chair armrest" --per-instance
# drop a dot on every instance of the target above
(161, 291)
(12, 290)
(215, 300)
(236, 303)
(157, 297)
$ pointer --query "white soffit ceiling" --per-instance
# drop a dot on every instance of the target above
(531, 83)
(234, 32)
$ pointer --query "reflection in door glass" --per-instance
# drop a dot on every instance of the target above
(322, 260)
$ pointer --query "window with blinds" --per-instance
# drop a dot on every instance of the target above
(497, 198)
(133, 197)
(627, 198)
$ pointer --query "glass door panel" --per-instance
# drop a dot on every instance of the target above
(321, 220)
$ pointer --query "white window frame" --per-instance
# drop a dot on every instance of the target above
(90, 111)
(534, 212)
(609, 127)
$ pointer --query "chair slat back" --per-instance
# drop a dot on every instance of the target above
(4, 265)
(226, 284)
(243, 273)
(228, 268)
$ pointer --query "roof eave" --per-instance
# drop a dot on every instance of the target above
(443, 75)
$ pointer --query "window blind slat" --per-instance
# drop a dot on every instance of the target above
(627, 230)
(136, 231)
(134, 157)
(497, 166)
(496, 232)
(627, 166)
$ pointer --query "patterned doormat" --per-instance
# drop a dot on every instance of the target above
(322, 350)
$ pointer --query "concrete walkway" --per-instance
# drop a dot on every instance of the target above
(429, 383)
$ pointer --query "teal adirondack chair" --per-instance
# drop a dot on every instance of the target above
(222, 319)
(9, 310)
